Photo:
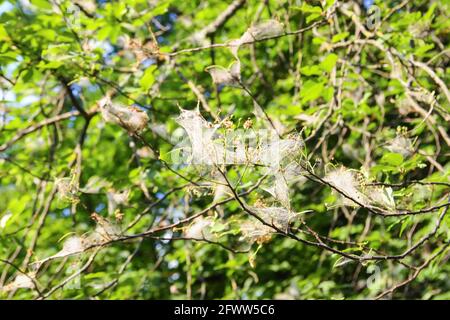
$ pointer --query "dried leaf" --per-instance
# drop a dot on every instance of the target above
(381, 196)
(266, 29)
(200, 132)
(228, 77)
(21, 281)
(116, 198)
(255, 231)
(105, 230)
(72, 245)
(67, 188)
(221, 189)
(401, 145)
(346, 182)
(276, 216)
(94, 185)
(280, 190)
(132, 119)
(200, 229)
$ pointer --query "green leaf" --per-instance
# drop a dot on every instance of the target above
(42, 4)
(161, 8)
(148, 78)
(393, 159)
(307, 8)
(3, 33)
(312, 17)
(311, 90)
(340, 36)
(313, 12)
(329, 62)
(430, 12)
(311, 71)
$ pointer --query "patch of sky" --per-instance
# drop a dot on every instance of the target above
(5, 7)
(66, 212)
(161, 39)
(368, 3)
(100, 207)
(76, 89)
(173, 16)
(148, 62)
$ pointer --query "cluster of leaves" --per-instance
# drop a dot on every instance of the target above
(94, 96)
